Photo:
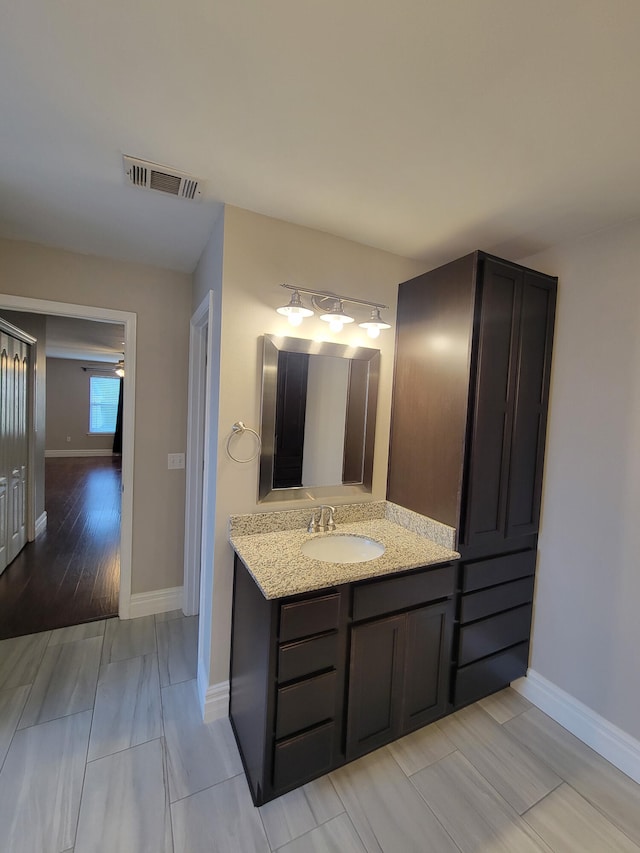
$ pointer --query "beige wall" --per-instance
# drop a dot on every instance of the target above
(585, 637)
(162, 302)
(35, 325)
(259, 254)
(68, 407)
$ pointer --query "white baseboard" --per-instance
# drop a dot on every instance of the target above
(612, 743)
(41, 523)
(156, 601)
(214, 698)
(49, 454)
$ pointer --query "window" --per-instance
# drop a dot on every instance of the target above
(103, 403)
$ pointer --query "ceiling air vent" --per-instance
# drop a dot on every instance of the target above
(151, 176)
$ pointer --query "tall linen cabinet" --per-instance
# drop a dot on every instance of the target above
(469, 413)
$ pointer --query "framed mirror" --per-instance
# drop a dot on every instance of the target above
(318, 419)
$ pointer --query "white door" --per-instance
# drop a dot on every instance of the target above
(14, 445)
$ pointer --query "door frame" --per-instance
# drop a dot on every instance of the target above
(128, 319)
(199, 497)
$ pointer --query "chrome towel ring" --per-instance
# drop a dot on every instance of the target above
(238, 429)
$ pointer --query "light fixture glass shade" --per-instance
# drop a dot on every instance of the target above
(374, 324)
(295, 311)
(336, 318)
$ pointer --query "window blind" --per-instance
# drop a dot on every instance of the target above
(103, 403)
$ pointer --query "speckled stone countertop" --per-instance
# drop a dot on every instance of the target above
(280, 569)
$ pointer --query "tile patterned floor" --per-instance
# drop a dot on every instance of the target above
(102, 749)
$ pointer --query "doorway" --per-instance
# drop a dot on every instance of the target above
(128, 321)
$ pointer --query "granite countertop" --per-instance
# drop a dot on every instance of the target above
(280, 569)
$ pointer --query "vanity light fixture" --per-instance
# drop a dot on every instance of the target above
(295, 311)
(330, 306)
(335, 316)
(374, 324)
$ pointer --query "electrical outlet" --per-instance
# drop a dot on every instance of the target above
(175, 460)
(68, 438)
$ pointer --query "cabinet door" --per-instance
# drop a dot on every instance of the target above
(533, 365)
(426, 671)
(375, 684)
(486, 492)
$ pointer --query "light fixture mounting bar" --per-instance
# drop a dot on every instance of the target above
(324, 294)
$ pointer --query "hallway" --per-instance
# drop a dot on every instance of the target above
(71, 572)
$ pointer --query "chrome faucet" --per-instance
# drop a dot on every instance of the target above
(329, 523)
(321, 519)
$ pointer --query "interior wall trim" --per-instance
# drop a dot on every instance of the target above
(609, 741)
(41, 523)
(156, 601)
(214, 699)
(51, 454)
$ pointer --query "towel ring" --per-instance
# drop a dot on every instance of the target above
(238, 429)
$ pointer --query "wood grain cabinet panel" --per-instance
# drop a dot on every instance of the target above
(304, 657)
(468, 427)
(312, 686)
(313, 616)
(399, 675)
(487, 636)
(305, 704)
(490, 674)
(484, 573)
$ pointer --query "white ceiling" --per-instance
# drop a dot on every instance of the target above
(85, 340)
(426, 127)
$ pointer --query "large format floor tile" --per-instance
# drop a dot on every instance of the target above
(504, 705)
(518, 775)
(124, 805)
(300, 811)
(599, 782)
(474, 815)
(127, 708)
(199, 754)
(11, 704)
(421, 748)
(177, 649)
(40, 785)
(20, 658)
(335, 836)
(129, 638)
(386, 810)
(221, 819)
(65, 683)
(567, 822)
(77, 632)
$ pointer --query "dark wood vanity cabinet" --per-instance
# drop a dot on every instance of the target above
(473, 359)
(398, 676)
(321, 678)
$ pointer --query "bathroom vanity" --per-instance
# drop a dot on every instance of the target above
(359, 659)
(330, 661)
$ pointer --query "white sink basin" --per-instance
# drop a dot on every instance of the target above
(342, 548)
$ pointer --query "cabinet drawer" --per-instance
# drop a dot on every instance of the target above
(313, 616)
(485, 573)
(301, 758)
(477, 605)
(493, 673)
(490, 635)
(400, 593)
(305, 704)
(304, 657)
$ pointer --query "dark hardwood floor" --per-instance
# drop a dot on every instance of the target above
(71, 572)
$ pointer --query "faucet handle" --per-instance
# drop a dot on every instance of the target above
(314, 522)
